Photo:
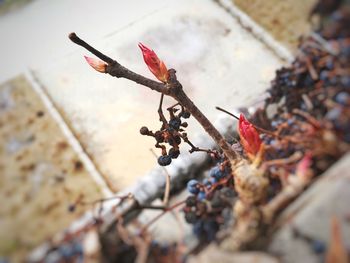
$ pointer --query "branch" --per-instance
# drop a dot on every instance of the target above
(116, 70)
(172, 89)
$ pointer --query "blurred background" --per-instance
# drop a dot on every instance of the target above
(67, 132)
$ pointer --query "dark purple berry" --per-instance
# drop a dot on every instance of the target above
(213, 180)
(210, 227)
(228, 192)
(175, 140)
(198, 228)
(164, 160)
(66, 251)
(159, 136)
(333, 80)
(144, 130)
(201, 196)
(191, 217)
(184, 124)
(216, 173)
(333, 114)
(185, 114)
(274, 124)
(191, 201)
(318, 246)
(342, 98)
(324, 75)
(175, 123)
(192, 186)
(174, 153)
(216, 201)
(345, 80)
(206, 182)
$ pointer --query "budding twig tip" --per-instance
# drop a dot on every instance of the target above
(72, 35)
(227, 112)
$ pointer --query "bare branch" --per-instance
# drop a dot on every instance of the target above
(173, 88)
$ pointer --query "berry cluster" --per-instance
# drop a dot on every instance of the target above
(171, 133)
(211, 201)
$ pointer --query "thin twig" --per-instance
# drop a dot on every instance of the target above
(256, 127)
(173, 89)
(167, 209)
(167, 183)
(80, 42)
(291, 159)
(227, 112)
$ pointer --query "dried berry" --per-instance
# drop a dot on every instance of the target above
(201, 195)
(216, 173)
(193, 186)
(191, 201)
(164, 160)
(159, 136)
(175, 123)
(184, 124)
(185, 114)
(144, 130)
(174, 153)
(191, 217)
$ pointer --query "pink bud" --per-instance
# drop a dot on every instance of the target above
(302, 169)
(250, 138)
(96, 64)
(155, 65)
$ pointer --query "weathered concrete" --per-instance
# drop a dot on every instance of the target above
(310, 216)
(214, 254)
(286, 20)
(40, 173)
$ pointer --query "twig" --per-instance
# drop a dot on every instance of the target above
(288, 193)
(271, 133)
(167, 209)
(167, 183)
(197, 149)
(172, 89)
(227, 112)
(291, 159)
(308, 117)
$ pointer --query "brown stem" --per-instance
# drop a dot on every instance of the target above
(166, 209)
(173, 89)
(197, 149)
(180, 96)
(80, 42)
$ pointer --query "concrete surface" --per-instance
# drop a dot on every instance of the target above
(40, 173)
(310, 215)
(214, 254)
(286, 20)
(36, 35)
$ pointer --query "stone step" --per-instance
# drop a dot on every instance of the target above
(41, 172)
(286, 20)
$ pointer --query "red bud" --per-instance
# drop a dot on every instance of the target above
(96, 64)
(250, 139)
(303, 167)
(155, 65)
